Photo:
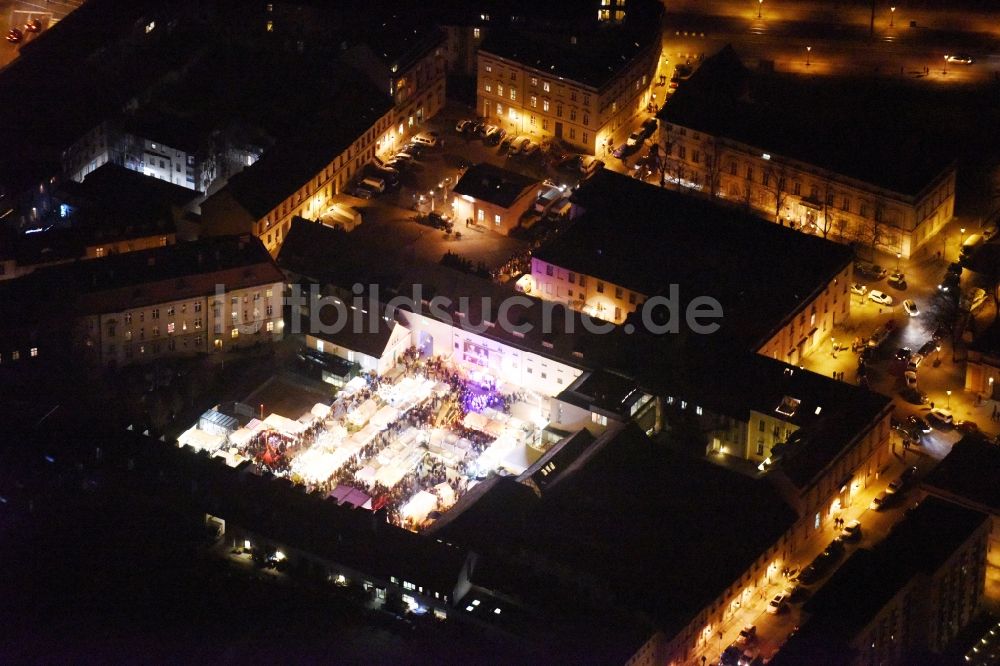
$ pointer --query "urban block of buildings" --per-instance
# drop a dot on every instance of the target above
(854, 171)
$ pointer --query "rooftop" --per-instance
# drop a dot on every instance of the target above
(969, 473)
(918, 545)
(137, 279)
(887, 144)
(493, 184)
(645, 238)
(287, 166)
(656, 532)
(584, 51)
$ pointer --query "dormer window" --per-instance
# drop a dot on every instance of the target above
(788, 406)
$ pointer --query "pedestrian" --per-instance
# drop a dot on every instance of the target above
(932, 405)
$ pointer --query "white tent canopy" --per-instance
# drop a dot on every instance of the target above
(284, 425)
(201, 440)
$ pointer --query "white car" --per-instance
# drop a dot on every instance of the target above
(851, 531)
(425, 139)
(878, 502)
(911, 378)
(859, 289)
(941, 417)
(634, 138)
(777, 604)
(879, 297)
(960, 59)
(910, 307)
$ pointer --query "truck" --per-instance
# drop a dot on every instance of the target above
(341, 215)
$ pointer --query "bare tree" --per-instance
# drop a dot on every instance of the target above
(774, 175)
(825, 223)
(713, 165)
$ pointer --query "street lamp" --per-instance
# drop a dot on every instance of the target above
(892, 16)
(945, 70)
(760, 4)
(949, 398)
(962, 242)
(899, 255)
(808, 51)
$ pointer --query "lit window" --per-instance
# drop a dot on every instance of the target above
(270, 26)
(545, 105)
(235, 333)
(475, 33)
(270, 326)
(534, 102)
(545, 86)
(489, 68)
(496, 220)
(170, 328)
(34, 352)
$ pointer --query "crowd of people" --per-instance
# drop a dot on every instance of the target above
(273, 452)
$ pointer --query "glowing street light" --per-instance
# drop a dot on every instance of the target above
(892, 16)
(760, 3)
(899, 255)
(945, 70)
(962, 231)
(949, 398)
(808, 51)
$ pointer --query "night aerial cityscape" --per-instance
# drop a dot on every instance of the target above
(648, 332)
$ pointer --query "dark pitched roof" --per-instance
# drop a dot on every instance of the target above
(136, 279)
(646, 238)
(493, 184)
(869, 579)
(886, 144)
(662, 533)
(352, 329)
(969, 473)
(582, 50)
(290, 164)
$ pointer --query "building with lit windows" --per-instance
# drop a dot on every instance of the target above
(493, 198)
(630, 241)
(742, 138)
(211, 295)
(584, 83)
(922, 585)
(407, 63)
(300, 176)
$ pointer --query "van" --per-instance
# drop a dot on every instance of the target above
(970, 245)
(374, 184)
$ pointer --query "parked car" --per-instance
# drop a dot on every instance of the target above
(518, 144)
(34, 25)
(648, 127)
(967, 427)
(413, 148)
(570, 163)
(464, 126)
(911, 378)
(950, 283)
(401, 157)
(955, 268)
(897, 280)
(941, 417)
(928, 348)
(425, 139)
(903, 354)
(859, 289)
(621, 151)
(439, 221)
(589, 165)
(873, 271)
(14, 35)
(777, 604)
(879, 297)
(494, 135)
(530, 149)
(918, 423)
(915, 361)
(748, 635)
(910, 307)
(914, 396)
(361, 192)
(634, 139)
(851, 531)
(878, 502)
(960, 59)
(973, 298)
